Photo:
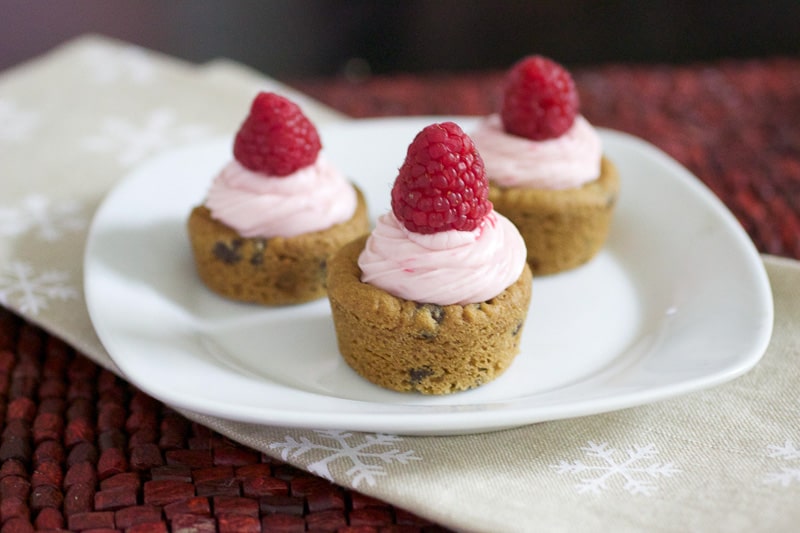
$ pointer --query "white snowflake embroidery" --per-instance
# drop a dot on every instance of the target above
(38, 213)
(20, 285)
(16, 124)
(366, 460)
(628, 467)
(129, 63)
(787, 475)
(133, 142)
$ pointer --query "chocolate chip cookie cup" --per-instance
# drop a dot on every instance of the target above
(546, 167)
(268, 271)
(412, 346)
(563, 229)
(275, 212)
(434, 299)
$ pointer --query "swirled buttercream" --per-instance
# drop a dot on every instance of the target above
(561, 163)
(449, 267)
(314, 198)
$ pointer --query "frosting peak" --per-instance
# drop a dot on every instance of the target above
(311, 199)
(564, 162)
(444, 268)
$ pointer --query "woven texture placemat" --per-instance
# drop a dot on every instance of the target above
(82, 449)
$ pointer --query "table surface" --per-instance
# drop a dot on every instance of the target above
(81, 448)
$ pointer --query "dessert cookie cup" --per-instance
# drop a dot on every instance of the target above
(562, 228)
(410, 346)
(434, 299)
(276, 212)
(546, 168)
(268, 271)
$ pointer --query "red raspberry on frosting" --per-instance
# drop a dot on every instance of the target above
(276, 138)
(442, 184)
(539, 100)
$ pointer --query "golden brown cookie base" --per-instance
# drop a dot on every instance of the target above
(562, 228)
(409, 346)
(272, 271)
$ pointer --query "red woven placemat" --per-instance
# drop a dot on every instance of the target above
(82, 449)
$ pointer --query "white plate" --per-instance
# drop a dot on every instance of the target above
(677, 301)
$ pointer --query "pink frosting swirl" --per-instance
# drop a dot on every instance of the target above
(255, 205)
(561, 163)
(449, 267)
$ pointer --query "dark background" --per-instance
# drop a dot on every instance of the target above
(312, 38)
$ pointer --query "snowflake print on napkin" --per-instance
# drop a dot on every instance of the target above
(366, 453)
(632, 467)
(787, 474)
(47, 220)
(133, 141)
(31, 291)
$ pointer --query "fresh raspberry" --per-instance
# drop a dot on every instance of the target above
(442, 184)
(539, 100)
(276, 138)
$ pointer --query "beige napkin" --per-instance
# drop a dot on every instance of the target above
(727, 459)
